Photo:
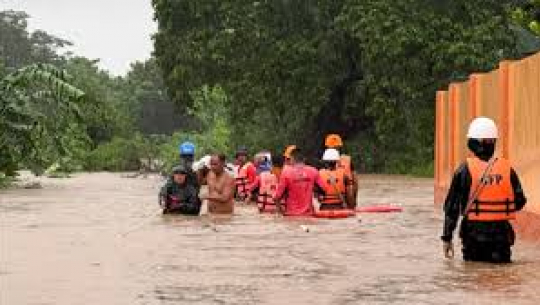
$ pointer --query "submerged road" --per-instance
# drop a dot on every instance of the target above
(100, 239)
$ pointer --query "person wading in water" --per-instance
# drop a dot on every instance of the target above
(486, 191)
(296, 185)
(177, 196)
(221, 186)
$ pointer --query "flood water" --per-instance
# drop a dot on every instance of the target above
(100, 239)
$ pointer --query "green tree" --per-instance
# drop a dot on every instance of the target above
(101, 133)
(106, 113)
(149, 103)
(411, 49)
(19, 47)
(210, 109)
(280, 62)
(38, 108)
(296, 70)
(527, 15)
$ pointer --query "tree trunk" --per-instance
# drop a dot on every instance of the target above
(329, 118)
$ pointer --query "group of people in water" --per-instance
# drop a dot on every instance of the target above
(485, 191)
(276, 183)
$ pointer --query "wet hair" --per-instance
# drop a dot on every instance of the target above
(278, 160)
(242, 151)
(298, 155)
(221, 157)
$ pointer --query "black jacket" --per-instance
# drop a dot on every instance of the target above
(456, 202)
(180, 198)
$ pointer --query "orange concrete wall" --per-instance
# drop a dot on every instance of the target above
(509, 95)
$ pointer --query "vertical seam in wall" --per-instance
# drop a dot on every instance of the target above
(503, 83)
(473, 95)
(510, 110)
(452, 125)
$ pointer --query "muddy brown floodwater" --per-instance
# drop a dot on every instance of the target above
(99, 239)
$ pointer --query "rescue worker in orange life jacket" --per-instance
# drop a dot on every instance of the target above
(486, 232)
(345, 163)
(262, 162)
(245, 175)
(332, 192)
(264, 188)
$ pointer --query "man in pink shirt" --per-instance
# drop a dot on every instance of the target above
(296, 186)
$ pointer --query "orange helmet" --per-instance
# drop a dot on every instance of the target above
(333, 141)
(288, 151)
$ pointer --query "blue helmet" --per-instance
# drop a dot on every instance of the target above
(187, 149)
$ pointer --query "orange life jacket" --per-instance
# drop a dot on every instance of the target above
(495, 200)
(242, 181)
(345, 164)
(267, 189)
(333, 191)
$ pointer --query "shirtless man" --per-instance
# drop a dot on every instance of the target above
(221, 187)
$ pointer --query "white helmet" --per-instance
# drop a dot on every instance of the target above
(331, 154)
(482, 128)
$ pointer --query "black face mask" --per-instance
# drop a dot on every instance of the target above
(330, 164)
(484, 150)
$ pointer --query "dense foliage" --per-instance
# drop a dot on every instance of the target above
(527, 15)
(295, 70)
(38, 117)
(44, 122)
(19, 48)
(121, 123)
(261, 74)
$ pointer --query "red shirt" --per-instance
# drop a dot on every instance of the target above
(296, 183)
